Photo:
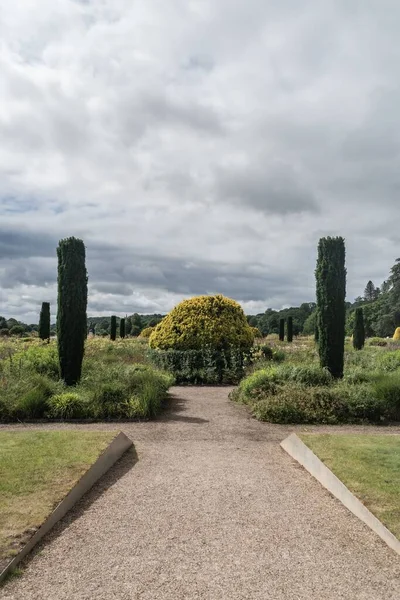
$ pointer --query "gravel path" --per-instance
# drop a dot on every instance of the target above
(212, 509)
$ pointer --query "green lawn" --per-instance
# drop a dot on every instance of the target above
(37, 469)
(369, 465)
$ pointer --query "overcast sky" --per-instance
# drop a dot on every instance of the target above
(196, 146)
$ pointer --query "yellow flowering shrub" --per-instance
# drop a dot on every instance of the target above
(257, 333)
(397, 334)
(213, 321)
(146, 332)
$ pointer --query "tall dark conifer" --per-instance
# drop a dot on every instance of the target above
(282, 330)
(359, 330)
(113, 328)
(331, 291)
(72, 304)
(44, 321)
(290, 329)
(122, 328)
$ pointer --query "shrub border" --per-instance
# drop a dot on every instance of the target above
(117, 447)
(298, 450)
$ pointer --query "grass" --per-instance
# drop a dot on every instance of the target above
(37, 469)
(369, 465)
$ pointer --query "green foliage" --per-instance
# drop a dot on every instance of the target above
(359, 331)
(297, 404)
(387, 392)
(68, 405)
(377, 341)
(72, 303)
(204, 366)
(128, 326)
(389, 361)
(212, 322)
(34, 402)
(42, 360)
(331, 291)
(290, 329)
(281, 330)
(310, 324)
(122, 328)
(111, 386)
(17, 330)
(44, 321)
(113, 328)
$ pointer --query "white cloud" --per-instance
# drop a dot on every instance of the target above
(225, 136)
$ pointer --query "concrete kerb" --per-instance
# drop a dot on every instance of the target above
(109, 456)
(303, 455)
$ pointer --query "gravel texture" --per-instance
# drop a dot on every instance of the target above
(210, 507)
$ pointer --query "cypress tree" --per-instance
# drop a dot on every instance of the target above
(331, 291)
(359, 330)
(282, 330)
(44, 321)
(290, 329)
(128, 326)
(122, 328)
(113, 328)
(72, 304)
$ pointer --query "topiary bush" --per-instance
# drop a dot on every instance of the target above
(257, 333)
(396, 335)
(215, 328)
(204, 321)
(146, 332)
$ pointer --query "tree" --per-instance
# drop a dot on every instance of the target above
(137, 324)
(282, 330)
(370, 292)
(331, 311)
(17, 330)
(122, 328)
(309, 324)
(359, 330)
(44, 322)
(290, 329)
(128, 326)
(113, 328)
(72, 304)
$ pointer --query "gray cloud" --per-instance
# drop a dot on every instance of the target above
(192, 166)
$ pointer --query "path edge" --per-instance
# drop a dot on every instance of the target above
(298, 450)
(117, 447)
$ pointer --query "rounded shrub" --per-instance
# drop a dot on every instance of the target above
(257, 333)
(146, 332)
(396, 335)
(213, 321)
(377, 341)
(67, 405)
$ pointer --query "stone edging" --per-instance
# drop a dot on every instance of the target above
(105, 461)
(300, 452)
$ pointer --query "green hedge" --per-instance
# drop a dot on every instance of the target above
(206, 366)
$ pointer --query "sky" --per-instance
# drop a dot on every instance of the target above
(196, 147)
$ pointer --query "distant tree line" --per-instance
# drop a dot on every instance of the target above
(381, 313)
